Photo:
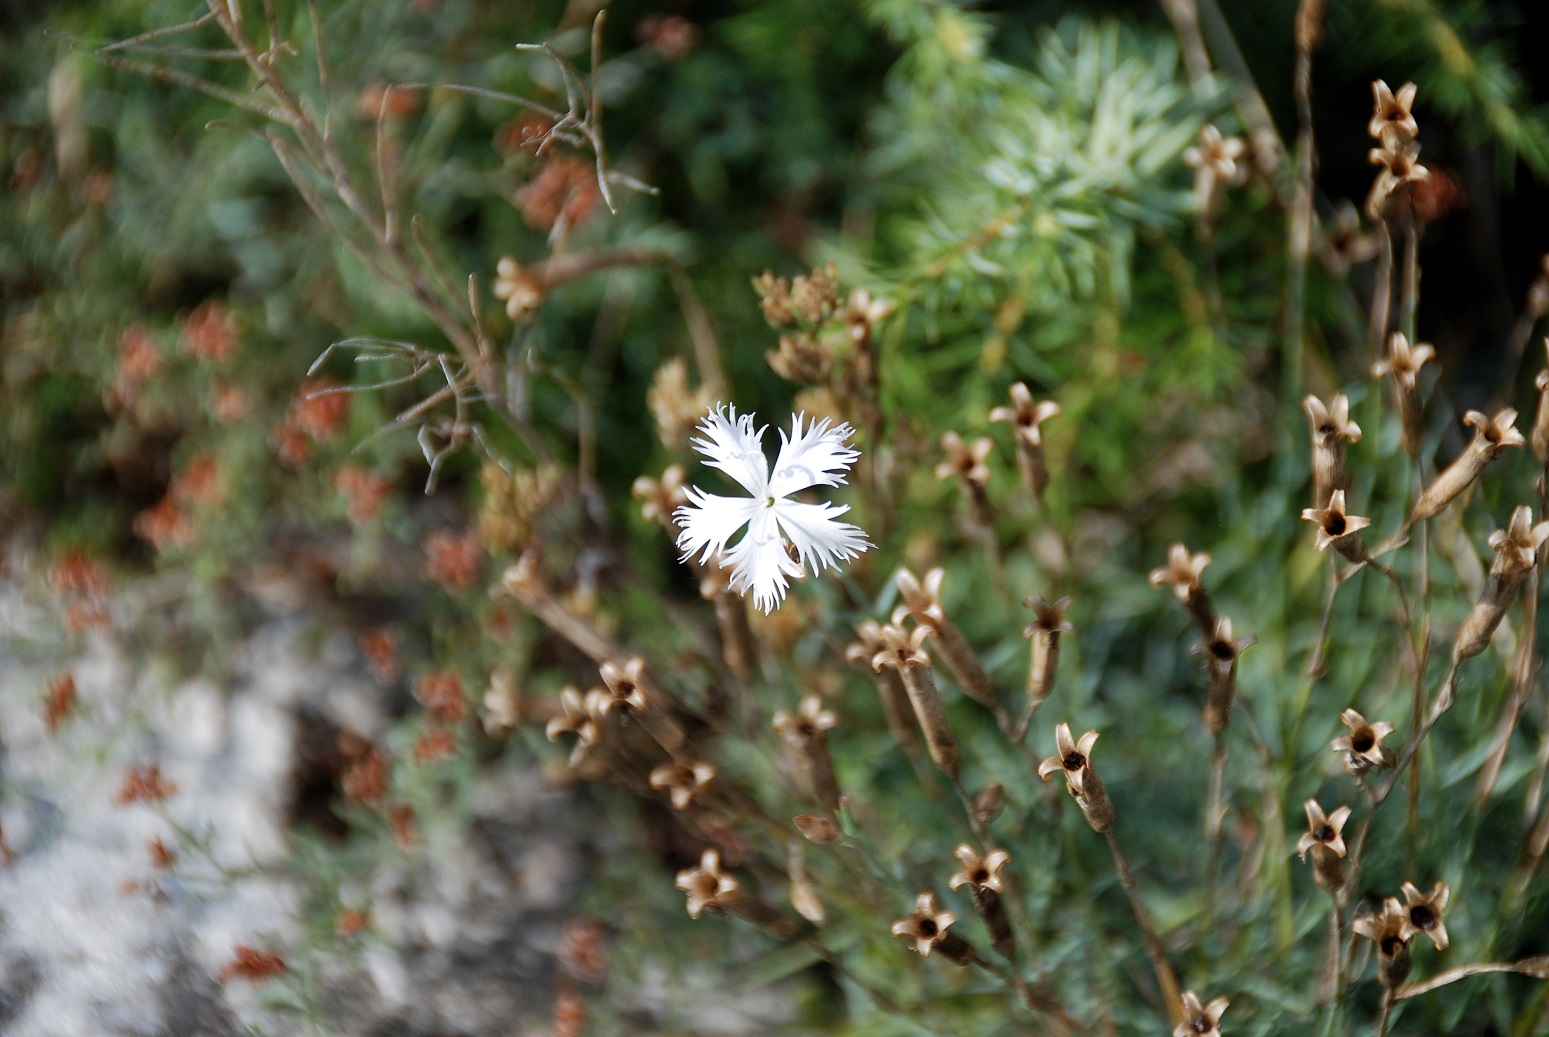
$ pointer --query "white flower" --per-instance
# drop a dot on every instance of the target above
(760, 561)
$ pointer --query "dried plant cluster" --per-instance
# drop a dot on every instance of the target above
(837, 729)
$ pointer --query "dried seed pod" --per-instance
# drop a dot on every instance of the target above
(1220, 653)
(816, 829)
(804, 896)
(710, 888)
(1389, 931)
(1075, 762)
(1404, 364)
(1331, 429)
(1182, 573)
(890, 686)
(806, 733)
(927, 927)
(1043, 635)
(1324, 839)
(683, 782)
(982, 876)
(1200, 1020)
(903, 654)
(1491, 436)
(923, 602)
(1516, 552)
(1339, 529)
(989, 801)
(1423, 913)
(1363, 746)
(966, 463)
(1025, 418)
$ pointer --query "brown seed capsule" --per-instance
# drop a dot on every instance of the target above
(966, 463)
(890, 686)
(927, 927)
(709, 888)
(806, 733)
(1389, 931)
(1423, 913)
(1339, 529)
(1043, 635)
(1324, 839)
(982, 876)
(923, 602)
(816, 829)
(683, 783)
(1331, 430)
(1491, 436)
(1026, 418)
(1182, 573)
(1220, 653)
(1074, 760)
(903, 654)
(1516, 552)
(1393, 120)
(1404, 364)
(1363, 746)
(1200, 1020)
(989, 801)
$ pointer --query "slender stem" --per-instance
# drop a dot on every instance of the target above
(1382, 292)
(1410, 289)
(1332, 971)
(1299, 240)
(1166, 979)
(1214, 815)
(1423, 656)
(1382, 1018)
(1532, 967)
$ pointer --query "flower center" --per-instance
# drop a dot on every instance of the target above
(1362, 742)
(1323, 833)
(1222, 650)
(928, 927)
(1201, 1024)
(1423, 917)
(1074, 761)
(1335, 525)
(1391, 945)
(980, 877)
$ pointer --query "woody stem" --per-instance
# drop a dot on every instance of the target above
(1166, 979)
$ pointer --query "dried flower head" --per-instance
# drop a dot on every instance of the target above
(923, 602)
(982, 873)
(673, 404)
(1401, 168)
(1339, 528)
(1393, 122)
(774, 300)
(1043, 635)
(453, 559)
(253, 964)
(1391, 931)
(1025, 416)
(861, 313)
(1516, 546)
(210, 332)
(1363, 746)
(965, 462)
(626, 686)
(441, 693)
(802, 356)
(1331, 429)
(1345, 242)
(1200, 1020)
(521, 290)
(809, 723)
(59, 704)
(1220, 652)
(707, 886)
(1424, 912)
(502, 705)
(1074, 760)
(144, 785)
(1404, 361)
(579, 715)
(683, 782)
(927, 926)
(1215, 163)
(660, 498)
(561, 196)
(901, 648)
(761, 561)
(922, 599)
(1324, 839)
(1182, 572)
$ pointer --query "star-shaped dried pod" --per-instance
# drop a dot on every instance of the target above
(1404, 361)
(1048, 616)
(522, 579)
(579, 715)
(900, 648)
(1338, 528)
(682, 782)
(1400, 168)
(1393, 120)
(1330, 422)
(1220, 652)
(625, 685)
(707, 886)
(1324, 830)
(922, 600)
(1390, 931)
(861, 313)
(1026, 416)
(1516, 546)
(1222, 649)
(982, 873)
(868, 642)
(1363, 746)
(964, 461)
(809, 723)
(1200, 1020)
(1423, 913)
(1345, 241)
(927, 926)
(1182, 572)
(1217, 155)
(1074, 759)
(660, 498)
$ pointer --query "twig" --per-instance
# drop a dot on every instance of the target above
(1166, 979)
(1537, 967)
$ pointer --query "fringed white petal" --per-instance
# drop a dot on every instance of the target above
(732, 445)
(708, 521)
(821, 541)
(759, 563)
(814, 457)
